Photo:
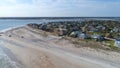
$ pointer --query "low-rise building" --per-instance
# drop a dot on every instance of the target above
(116, 29)
(117, 42)
(98, 37)
(83, 36)
(75, 33)
(60, 31)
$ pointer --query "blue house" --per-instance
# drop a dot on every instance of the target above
(117, 42)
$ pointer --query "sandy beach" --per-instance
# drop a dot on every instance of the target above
(32, 48)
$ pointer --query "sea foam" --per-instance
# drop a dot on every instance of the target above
(5, 61)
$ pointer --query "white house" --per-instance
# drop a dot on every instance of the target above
(98, 37)
(83, 36)
(117, 42)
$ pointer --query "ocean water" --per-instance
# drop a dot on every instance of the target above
(9, 23)
(5, 61)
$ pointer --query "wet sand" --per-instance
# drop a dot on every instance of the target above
(38, 49)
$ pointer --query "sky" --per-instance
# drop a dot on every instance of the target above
(59, 8)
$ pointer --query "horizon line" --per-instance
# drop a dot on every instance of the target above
(61, 16)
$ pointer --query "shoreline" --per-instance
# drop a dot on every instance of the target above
(11, 28)
(7, 57)
(34, 44)
(12, 58)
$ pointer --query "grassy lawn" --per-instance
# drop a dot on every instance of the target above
(89, 40)
(100, 33)
(93, 44)
(114, 48)
(111, 42)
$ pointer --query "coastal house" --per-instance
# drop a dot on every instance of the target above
(91, 28)
(43, 27)
(49, 28)
(116, 29)
(117, 42)
(34, 25)
(75, 28)
(60, 31)
(100, 28)
(83, 36)
(98, 37)
(75, 33)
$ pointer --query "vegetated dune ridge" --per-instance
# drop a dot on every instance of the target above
(38, 49)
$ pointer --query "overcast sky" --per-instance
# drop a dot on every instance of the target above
(41, 8)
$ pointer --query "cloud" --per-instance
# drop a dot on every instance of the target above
(12, 1)
(7, 2)
(59, 8)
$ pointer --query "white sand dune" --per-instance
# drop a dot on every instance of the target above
(34, 49)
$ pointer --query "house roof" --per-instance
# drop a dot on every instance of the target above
(118, 39)
(96, 36)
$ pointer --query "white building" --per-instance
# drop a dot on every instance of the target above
(117, 42)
